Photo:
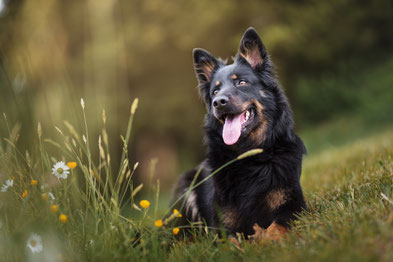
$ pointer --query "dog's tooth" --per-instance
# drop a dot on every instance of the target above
(247, 115)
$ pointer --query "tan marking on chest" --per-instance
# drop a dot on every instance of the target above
(230, 218)
(276, 198)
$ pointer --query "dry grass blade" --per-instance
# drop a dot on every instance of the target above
(50, 141)
(134, 106)
(103, 116)
(39, 130)
(249, 153)
(72, 130)
(136, 190)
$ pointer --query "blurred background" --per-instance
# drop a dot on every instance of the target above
(334, 60)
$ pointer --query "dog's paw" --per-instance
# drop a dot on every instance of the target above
(234, 241)
(273, 232)
(237, 242)
(276, 232)
(260, 233)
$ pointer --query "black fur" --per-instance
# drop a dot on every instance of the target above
(261, 189)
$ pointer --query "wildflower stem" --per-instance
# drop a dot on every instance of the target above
(157, 197)
(127, 138)
(87, 137)
(89, 175)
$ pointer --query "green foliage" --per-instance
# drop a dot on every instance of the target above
(364, 93)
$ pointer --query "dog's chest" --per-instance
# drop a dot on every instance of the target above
(231, 218)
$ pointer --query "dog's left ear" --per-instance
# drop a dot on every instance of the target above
(204, 65)
(252, 49)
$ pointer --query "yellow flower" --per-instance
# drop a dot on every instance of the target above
(34, 182)
(176, 231)
(44, 196)
(158, 223)
(63, 218)
(144, 203)
(177, 213)
(71, 165)
(24, 194)
(54, 208)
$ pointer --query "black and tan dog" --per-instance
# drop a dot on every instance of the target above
(246, 109)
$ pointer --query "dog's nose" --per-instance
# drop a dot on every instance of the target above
(220, 102)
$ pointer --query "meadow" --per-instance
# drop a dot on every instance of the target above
(85, 210)
(79, 183)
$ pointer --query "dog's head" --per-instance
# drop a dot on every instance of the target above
(244, 100)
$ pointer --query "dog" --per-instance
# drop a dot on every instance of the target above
(246, 109)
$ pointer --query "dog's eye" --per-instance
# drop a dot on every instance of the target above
(242, 82)
(215, 92)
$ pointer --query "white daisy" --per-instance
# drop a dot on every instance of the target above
(60, 170)
(8, 183)
(35, 243)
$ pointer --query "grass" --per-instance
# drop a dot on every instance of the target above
(348, 189)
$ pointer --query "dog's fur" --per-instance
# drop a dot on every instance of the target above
(263, 189)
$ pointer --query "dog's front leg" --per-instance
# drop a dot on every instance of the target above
(282, 217)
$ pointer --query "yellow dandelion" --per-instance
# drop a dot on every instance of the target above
(158, 223)
(34, 182)
(71, 165)
(24, 194)
(144, 203)
(176, 231)
(177, 213)
(44, 196)
(63, 218)
(54, 208)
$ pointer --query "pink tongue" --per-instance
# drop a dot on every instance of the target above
(232, 129)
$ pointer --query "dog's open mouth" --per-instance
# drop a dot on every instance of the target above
(235, 124)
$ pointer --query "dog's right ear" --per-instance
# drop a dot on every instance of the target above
(204, 64)
(252, 50)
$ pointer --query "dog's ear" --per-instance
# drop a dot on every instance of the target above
(204, 65)
(252, 50)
